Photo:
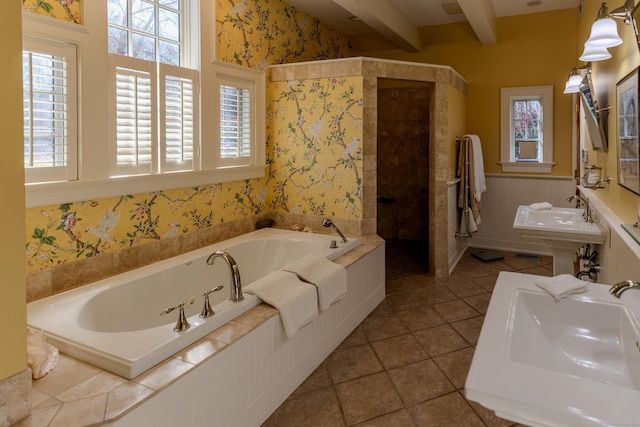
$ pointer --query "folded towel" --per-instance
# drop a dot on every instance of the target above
(562, 285)
(542, 206)
(329, 278)
(297, 301)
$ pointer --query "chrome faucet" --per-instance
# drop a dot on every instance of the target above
(236, 286)
(581, 201)
(329, 223)
(617, 289)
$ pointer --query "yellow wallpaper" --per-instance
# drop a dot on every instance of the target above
(258, 33)
(310, 172)
(65, 10)
(316, 155)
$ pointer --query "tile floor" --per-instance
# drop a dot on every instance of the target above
(406, 364)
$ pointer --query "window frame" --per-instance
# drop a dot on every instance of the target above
(507, 141)
(68, 51)
(93, 180)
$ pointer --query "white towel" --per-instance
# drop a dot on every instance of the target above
(478, 167)
(542, 206)
(562, 285)
(329, 278)
(296, 300)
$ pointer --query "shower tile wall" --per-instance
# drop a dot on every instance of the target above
(403, 163)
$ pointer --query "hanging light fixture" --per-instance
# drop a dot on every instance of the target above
(604, 31)
(594, 54)
(575, 78)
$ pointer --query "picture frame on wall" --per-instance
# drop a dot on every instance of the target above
(628, 144)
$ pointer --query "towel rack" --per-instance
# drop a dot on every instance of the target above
(464, 144)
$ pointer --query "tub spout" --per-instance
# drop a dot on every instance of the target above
(329, 223)
(236, 286)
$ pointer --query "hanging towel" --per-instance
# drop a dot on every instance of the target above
(329, 278)
(469, 180)
(479, 179)
(542, 206)
(562, 285)
(296, 300)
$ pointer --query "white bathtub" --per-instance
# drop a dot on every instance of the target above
(116, 324)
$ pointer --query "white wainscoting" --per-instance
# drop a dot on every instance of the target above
(499, 205)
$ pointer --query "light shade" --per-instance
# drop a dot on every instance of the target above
(573, 84)
(594, 54)
(604, 33)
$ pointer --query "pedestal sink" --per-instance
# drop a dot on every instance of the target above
(573, 362)
(564, 230)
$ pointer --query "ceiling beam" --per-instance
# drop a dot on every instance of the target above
(385, 18)
(482, 17)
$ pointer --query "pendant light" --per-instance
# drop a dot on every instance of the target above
(604, 31)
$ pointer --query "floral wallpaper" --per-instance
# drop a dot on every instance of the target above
(66, 10)
(316, 155)
(258, 33)
(314, 152)
(61, 233)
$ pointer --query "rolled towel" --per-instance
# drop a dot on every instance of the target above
(296, 300)
(542, 206)
(329, 278)
(562, 285)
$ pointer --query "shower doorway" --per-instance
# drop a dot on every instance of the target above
(403, 172)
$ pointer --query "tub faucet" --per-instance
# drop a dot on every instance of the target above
(617, 289)
(584, 202)
(236, 286)
(329, 223)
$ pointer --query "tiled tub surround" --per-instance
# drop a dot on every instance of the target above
(116, 323)
(240, 373)
(62, 277)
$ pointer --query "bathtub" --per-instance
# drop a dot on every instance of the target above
(116, 324)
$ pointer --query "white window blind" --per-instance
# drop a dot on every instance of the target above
(179, 106)
(134, 113)
(49, 110)
(237, 118)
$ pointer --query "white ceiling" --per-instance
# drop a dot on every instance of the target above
(398, 20)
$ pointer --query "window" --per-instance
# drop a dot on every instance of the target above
(240, 91)
(133, 115)
(154, 109)
(49, 110)
(526, 143)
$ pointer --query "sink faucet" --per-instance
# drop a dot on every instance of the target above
(617, 289)
(329, 223)
(581, 201)
(236, 286)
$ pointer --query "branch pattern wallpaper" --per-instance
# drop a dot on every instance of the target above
(314, 148)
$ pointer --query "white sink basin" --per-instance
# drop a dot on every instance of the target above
(564, 230)
(565, 224)
(575, 362)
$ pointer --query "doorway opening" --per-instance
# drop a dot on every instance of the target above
(403, 172)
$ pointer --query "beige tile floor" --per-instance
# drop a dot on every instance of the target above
(406, 364)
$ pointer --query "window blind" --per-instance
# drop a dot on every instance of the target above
(48, 76)
(179, 118)
(235, 122)
(135, 119)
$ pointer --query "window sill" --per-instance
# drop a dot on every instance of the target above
(530, 167)
(52, 193)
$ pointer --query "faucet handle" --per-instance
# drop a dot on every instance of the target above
(207, 311)
(182, 324)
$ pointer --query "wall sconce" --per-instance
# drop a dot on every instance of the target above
(604, 31)
(594, 54)
(575, 78)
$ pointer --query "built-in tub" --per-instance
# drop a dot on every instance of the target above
(116, 323)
